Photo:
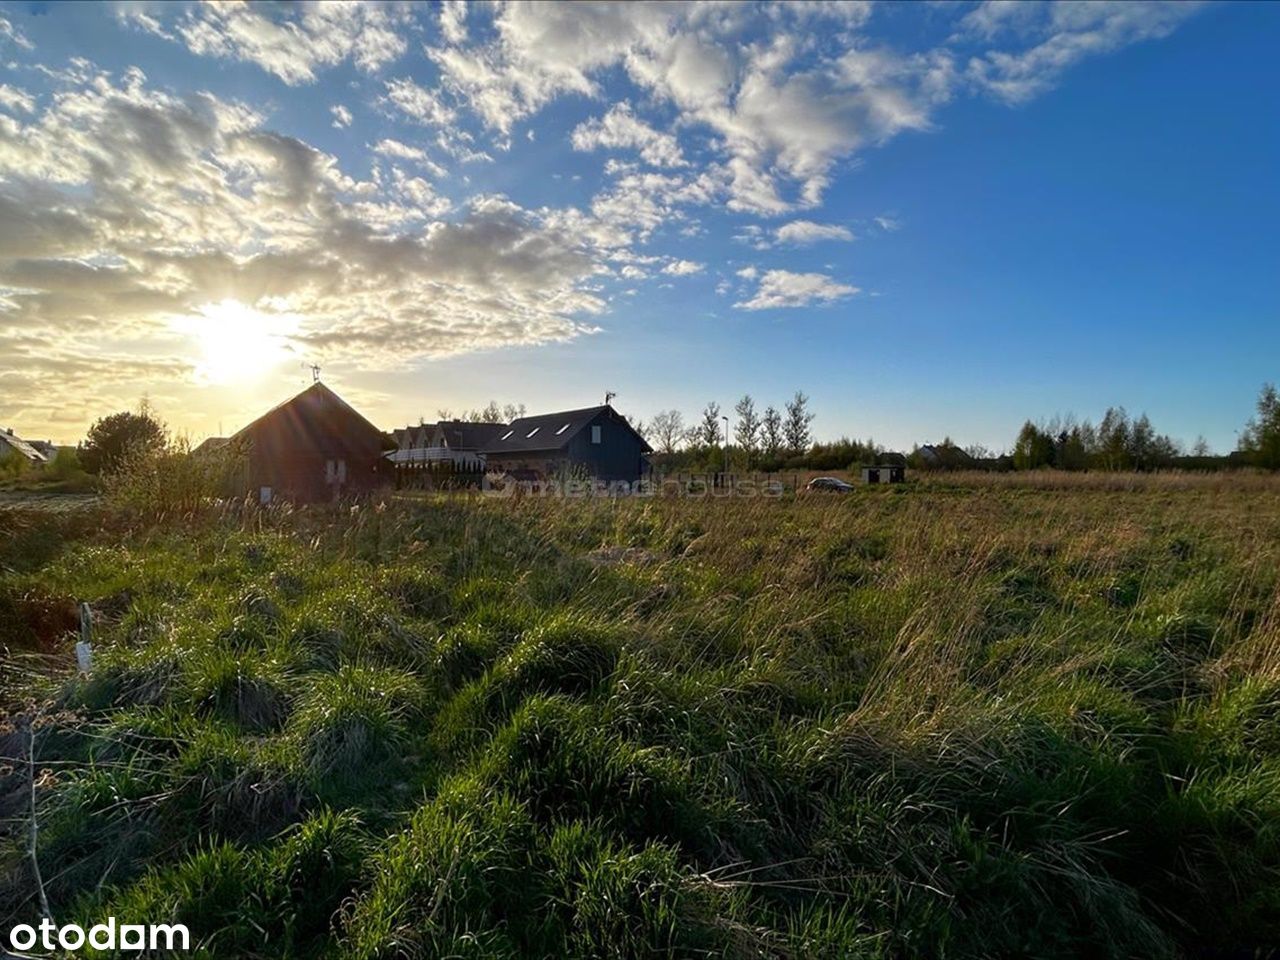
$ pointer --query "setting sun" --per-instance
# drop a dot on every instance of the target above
(237, 342)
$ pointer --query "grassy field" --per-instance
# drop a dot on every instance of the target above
(971, 717)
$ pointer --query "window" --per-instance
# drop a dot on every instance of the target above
(532, 432)
(507, 435)
(563, 429)
(595, 433)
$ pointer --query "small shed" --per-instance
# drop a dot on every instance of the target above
(884, 473)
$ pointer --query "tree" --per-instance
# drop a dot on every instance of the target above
(795, 429)
(1142, 443)
(708, 429)
(1113, 439)
(512, 411)
(667, 430)
(113, 440)
(1033, 448)
(639, 426)
(1260, 441)
(747, 430)
(1201, 447)
(771, 432)
(1071, 453)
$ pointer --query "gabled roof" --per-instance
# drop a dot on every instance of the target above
(467, 435)
(23, 448)
(315, 397)
(550, 431)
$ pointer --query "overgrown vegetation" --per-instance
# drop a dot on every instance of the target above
(987, 717)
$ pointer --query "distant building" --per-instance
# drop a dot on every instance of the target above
(884, 473)
(595, 442)
(46, 447)
(942, 457)
(313, 447)
(455, 443)
(13, 445)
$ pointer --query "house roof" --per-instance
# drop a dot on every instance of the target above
(23, 448)
(465, 435)
(210, 445)
(315, 396)
(549, 431)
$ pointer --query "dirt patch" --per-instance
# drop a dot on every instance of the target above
(36, 620)
(51, 502)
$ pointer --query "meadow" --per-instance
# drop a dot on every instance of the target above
(972, 716)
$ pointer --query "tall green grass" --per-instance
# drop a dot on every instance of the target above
(957, 719)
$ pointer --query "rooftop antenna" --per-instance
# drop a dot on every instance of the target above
(608, 395)
(315, 371)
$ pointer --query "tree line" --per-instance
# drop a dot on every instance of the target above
(775, 439)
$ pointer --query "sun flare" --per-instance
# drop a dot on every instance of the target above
(237, 342)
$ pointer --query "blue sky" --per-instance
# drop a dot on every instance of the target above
(933, 218)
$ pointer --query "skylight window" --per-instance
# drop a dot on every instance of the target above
(532, 432)
(507, 435)
(562, 429)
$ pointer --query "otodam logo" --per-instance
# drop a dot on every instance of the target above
(108, 935)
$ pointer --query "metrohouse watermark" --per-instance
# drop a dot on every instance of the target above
(108, 935)
(688, 488)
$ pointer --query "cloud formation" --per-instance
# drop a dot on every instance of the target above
(125, 209)
(783, 288)
(127, 206)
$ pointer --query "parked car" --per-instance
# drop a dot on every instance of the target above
(829, 484)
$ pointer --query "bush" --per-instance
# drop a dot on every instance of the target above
(168, 479)
(13, 465)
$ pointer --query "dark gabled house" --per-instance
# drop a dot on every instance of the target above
(595, 442)
(312, 447)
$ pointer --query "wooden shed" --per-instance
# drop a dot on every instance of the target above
(884, 473)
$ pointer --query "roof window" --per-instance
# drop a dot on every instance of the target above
(532, 432)
(563, 429)
(506, 435)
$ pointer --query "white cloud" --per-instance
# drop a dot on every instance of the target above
(341, 116)
(453, 20)
(748, 273)
(10, 33)
(13, 99)
(418, 103)
(620, 128)
(1063, 34)
(683, 268)
(403, 151)
(782, 288)
(806, 232)
(291, 42)
(888, 224)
